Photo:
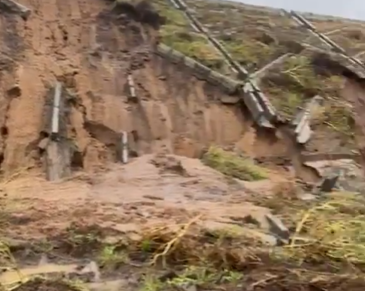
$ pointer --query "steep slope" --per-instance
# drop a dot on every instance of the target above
(92, 50)
(289, 62)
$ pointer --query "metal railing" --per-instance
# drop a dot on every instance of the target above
(263, 112)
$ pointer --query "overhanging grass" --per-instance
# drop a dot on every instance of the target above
(232, 165)
(334, 230)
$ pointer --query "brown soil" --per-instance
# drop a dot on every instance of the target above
(65, 220)
(92, 51)
(148, 189)
(73, 219)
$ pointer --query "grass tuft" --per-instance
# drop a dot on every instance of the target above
(232, 165)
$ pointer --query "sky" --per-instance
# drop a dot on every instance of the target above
(354, 9)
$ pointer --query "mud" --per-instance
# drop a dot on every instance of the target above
(119, 216)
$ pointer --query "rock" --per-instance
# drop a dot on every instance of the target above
(14, 91)
(307, 197)
(329, 183)
(277, 227)
(278, 233)
(43, 143)
(351, 175)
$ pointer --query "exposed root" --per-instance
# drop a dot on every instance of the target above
(173, 242)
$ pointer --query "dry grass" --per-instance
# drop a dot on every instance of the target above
(178, 34)
(335, 230)
(327, 248)
(332, 252)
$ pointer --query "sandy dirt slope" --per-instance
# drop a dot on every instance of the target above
(91, 50)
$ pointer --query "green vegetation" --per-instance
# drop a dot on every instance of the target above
(331, 232)
(192, 45)
(337, 115)
(285, 101)
(232, 165)
(297, 81)
(110, 257)
(178, 34)
(249, 51)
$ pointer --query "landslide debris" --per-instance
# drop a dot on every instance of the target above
(325, 251)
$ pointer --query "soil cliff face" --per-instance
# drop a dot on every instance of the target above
(92, 50)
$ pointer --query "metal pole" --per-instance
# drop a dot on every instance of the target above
(132, 89)
(124, 147)
(56, 111)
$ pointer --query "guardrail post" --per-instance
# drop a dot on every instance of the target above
(301, 122)
(259, 105)
(58, 149)
(56, 112)
(124, 143)
(132, 88)
(301, 20)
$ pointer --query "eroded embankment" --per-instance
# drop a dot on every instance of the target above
(92, 50)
